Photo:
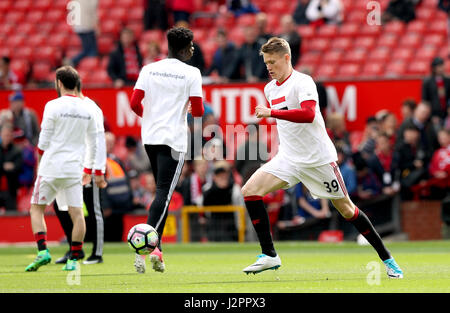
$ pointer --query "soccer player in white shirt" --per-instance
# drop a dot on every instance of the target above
(67, 127)
(164, 93)
(306, 154)
(91, 192)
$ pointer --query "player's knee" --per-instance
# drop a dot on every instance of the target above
(248, 191)
(345, 207)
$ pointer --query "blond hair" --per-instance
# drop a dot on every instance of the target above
(276, 45)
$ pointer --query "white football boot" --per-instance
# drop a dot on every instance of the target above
(263, 263)
(139, 263)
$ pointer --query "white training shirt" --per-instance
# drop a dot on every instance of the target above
(100, 156)
(68, 125)
(307, 144)
(167, 84)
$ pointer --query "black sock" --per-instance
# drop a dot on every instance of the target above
(41, 240)
(260, 220)
(365, 227)
(75, 250)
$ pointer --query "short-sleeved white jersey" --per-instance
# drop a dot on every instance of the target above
(68, 125)
(307, 144)
(167, 84)
(100, 156)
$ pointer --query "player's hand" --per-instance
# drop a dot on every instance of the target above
(262, 111)
(189, 108)
(100, 181)
(86, 179)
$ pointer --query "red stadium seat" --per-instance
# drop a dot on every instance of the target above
(49, 54)
(15, 17)
(436, 40)
(355, 56)
(411, 40)
(401, 53)
(278, 7)
(36, 40)
(105, 44)
(21, 65)
(273, 22)
(74, 41)
(246, 20)
(325, 71)
(34, 17)
(111, 27)
(437, 27)
(6, 5)
(327, 30)
(416, 26)
(135, 14)
(341, 43)
(100, 77)
(426, 53)
(41, 71)
(358, 17)
(379, 54)
(425, 14)
(306, 31)
(7, 29)
(55, 16)
(152, 35)
(395, 69)
(318, 44)
(200, 34)
(365, 42)
(332, 56)
(16, 41)
(388, 40)
(22, 5)
(137, 28)
(119, 14)
(395, 27)
(43, 5)
(24, 53)
(429, 4)
(25, 28)
(349, 30)
(106, 4)
(309, 58)
(373, 69)
(418, 68)
(58, 40)
(350, 70)
(236, 35)
(46, 28)
(370, 30)
(89, 64)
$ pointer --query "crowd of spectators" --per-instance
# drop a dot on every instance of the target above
(387, 158)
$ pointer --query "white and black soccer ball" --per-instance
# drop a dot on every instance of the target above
(142, 239)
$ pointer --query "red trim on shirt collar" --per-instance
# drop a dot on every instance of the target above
(279, 84)
(71, 96)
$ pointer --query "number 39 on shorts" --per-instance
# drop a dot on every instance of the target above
(332, 186)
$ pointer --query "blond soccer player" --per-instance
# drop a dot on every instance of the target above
(306, 154)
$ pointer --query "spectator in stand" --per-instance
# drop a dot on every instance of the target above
(223, 57)
(153, 53)
(410, 161)
(321, 12)
(381, 163)
(367, 144)
(136, 158)
(239, 7)
(126, 61)
(421, 120)
(182, 10)
(346, 168)
(261, 26)
(368, 184)
(222, 191)
(10, 168)
(389, 126)
(148, 181)
(24, 118)
(299, 14)
(197, 59)
(436, 91)
(337, 129)
(86, 29)
(440, 163)
(248, 61)
(137, 190)
(408, 107)
(309, 207)
(26, 175)
(155, 14)
(290, 34)
(252, 153)
(9, 78)
(399, 10)
(274, 202)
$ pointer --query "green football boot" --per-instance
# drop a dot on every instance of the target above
(42, 258)
(71, 265)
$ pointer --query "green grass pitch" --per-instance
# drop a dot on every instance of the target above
(217, 268)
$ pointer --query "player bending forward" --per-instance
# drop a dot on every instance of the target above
(165, 89)
(306, 154)
(68, 125)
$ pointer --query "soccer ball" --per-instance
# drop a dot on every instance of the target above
(142, 239)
